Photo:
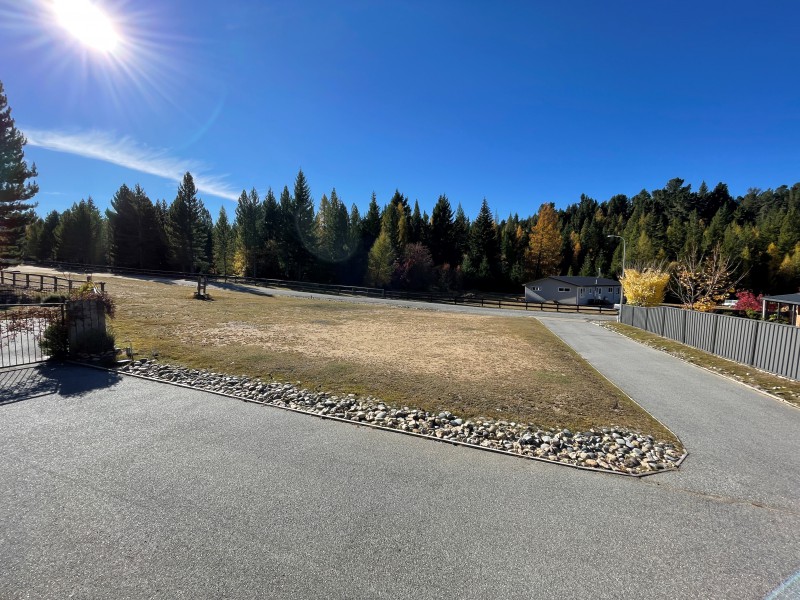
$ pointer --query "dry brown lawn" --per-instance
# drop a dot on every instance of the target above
(473, 365)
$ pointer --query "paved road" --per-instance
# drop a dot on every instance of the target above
(122, 488)
(743, 444)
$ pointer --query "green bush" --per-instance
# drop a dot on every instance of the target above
(55, 340)
(93, 342)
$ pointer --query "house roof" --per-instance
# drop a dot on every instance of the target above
(578, 280)
(785, 298)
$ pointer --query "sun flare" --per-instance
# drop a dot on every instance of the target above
(88, 23)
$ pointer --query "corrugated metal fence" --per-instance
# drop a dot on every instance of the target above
(772, 347)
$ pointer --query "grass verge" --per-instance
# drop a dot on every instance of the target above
(786, 389)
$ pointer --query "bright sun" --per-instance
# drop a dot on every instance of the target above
(88, 23)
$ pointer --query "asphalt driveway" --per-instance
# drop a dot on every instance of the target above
(115, 487)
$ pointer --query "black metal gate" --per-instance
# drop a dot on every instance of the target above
(23, 327)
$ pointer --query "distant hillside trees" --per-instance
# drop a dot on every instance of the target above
(395, 245)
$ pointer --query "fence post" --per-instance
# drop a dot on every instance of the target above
(752, 360)
(663, 320)
(646, 318)
(683, 329)
(41, 283)
(714, 334)
(14, 279)
(27, 280)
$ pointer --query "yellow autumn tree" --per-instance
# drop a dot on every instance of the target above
(646, 287)
(543, 256)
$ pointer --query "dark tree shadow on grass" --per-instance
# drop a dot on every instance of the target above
(237, 287)
(51, 378)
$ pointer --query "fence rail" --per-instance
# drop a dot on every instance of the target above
(486, 300)
(771, 347)
(40, 283)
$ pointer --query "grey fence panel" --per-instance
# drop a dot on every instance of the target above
(674, 323)
(626, 312)
(772, 347)
(735, 338)
(701, 330)
(778, 350)
(640, 317)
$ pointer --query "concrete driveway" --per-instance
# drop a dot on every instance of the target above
(115, 487)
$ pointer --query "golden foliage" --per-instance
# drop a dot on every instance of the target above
(645, 288)
(544, 250)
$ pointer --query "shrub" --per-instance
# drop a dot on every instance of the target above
(55, 340)
(646, 287)
(748, 302)
(93, 342)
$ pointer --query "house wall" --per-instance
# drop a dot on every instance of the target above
(549, 292)
(599, 292)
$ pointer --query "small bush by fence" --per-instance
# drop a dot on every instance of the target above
(771, 347)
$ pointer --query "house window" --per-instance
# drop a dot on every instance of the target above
(581, 292)
(564, 289)
(610, 290)
(536, 289)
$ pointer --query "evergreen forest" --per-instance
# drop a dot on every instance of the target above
(397, 244)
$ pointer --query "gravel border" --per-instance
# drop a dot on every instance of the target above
(610, 450)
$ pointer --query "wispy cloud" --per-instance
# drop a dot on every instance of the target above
(127, 152)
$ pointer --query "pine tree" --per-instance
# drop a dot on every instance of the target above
(249, 227)
(332, 229)
(187, 235)
(461, 235)
(371, 223)
(442, 243)
(133, 229)
(483, 248)
(299, 234)
(15, 189)
(224, 243)
(79, 235)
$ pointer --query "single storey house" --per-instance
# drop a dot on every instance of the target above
(574, 290)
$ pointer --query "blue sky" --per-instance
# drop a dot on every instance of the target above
(518, 102)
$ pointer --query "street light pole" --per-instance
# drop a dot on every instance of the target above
(622, 291)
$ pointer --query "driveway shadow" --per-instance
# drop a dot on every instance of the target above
(25, 383)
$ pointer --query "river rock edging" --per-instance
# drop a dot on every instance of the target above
(610, 449)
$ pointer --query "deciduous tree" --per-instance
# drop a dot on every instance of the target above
(544, 248)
